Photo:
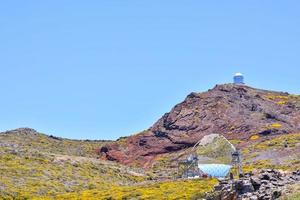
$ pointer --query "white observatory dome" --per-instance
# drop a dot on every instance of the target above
(238, 79)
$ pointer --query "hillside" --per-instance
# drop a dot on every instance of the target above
(238, 112)
(35, 165)
(264, 125)
(38, 166)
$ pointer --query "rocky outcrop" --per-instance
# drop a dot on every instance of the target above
(22, 131)
(266, 185)
(235, 111)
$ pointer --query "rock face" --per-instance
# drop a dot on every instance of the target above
(267, 185)
(235, 111)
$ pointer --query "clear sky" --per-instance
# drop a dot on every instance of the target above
(105, 69)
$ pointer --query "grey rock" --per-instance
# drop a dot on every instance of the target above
(265, 176)
(247, 187)
(276, 194)
(267, 185)
(256, 182)
(254, 197)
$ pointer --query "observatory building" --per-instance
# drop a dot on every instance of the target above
(238, 79)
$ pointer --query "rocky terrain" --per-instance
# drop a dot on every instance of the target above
(238, 112)
(266, 185)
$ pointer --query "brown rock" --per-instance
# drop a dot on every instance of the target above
(235, 111)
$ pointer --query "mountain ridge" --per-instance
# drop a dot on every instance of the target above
(235, 111)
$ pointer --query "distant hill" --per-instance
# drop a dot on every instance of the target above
(238, 112)
(34, 165)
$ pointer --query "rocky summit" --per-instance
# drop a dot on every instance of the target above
(235, 111)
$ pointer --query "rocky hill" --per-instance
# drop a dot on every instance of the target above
(264, 125)
(238, 112)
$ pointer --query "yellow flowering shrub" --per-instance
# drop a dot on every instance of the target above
(254, 137)
(275, 125)
(183, 189)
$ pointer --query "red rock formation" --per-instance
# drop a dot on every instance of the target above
(236, 111)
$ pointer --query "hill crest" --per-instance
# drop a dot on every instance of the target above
(235, 111)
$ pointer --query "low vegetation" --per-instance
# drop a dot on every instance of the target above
(189, 189)
(278, 152)
(35, 165)
(293, 193)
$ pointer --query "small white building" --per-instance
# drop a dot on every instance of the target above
(238, 79)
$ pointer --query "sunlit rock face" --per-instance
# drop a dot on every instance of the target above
(238, 112)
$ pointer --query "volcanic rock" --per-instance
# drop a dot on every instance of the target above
(249, 188)
(235, 111)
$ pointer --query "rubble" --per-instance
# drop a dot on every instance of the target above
(266, 185)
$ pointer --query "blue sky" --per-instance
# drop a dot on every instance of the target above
(105, 69)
